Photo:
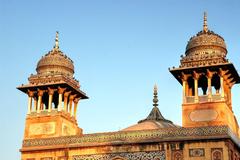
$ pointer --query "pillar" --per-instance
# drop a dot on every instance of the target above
(187, 89)
(196, 77)
(60, 95)
(35, 103)
(66, 95)
(30, 96)
(76, 100)
(222, 87)
(71, 98)
(209, 79)
(184, 78)
(184, 91)
(50, 98)
(40, 94)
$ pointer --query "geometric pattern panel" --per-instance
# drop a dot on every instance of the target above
(156, 155)
(135, 136)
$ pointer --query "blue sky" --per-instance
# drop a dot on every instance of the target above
(120, 49)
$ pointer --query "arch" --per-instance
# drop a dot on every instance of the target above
(190, 84)
(203, 84)
(216, 82)
(217, 155)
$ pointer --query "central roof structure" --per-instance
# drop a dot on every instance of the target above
(154, 120)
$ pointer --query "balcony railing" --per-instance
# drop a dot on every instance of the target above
(203, 98)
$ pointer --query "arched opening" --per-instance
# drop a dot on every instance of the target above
(216, 83)
(190, 84)
(55, 100)
(203, 84)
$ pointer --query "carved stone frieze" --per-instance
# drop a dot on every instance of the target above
(157, 155)
(136, 136)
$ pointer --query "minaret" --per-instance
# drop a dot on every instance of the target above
(53, 97)
(207, 78)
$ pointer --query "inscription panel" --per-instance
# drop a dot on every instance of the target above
(203, 115)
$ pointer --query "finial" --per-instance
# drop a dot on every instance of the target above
(56, 46)
(155, 96)
(205, 27)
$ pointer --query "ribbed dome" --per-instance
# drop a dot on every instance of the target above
(206, 42)
(55, 62)
(205, 48)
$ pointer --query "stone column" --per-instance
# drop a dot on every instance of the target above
(184, 78)
(35, 103)
(76, 100)
(40, 94)
(222, 87)
(71, 98)
(209, 78)
(222, 75)
(60, 95)
(196, 77)
(30, 96)
(50, 98)
(187, 89)
(66, 95)
(230, 94)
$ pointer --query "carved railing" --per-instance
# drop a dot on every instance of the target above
(216, 97)
(203, 98)
(190, 99)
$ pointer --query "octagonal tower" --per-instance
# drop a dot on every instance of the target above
(53, 96)
(207, 78)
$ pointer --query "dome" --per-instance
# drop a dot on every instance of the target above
(205, 42)
(55, 62)
(205, 48)
(147, 125)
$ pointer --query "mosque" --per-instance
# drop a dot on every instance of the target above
(209, 128)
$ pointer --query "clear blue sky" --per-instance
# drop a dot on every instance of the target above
(120, 49)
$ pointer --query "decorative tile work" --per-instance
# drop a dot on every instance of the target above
(197, 152)
(136, 136)
(217, 154)
(158, 155)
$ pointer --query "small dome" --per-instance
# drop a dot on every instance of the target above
(204, 49)
(55, 62)
(150, 124)
(205, 42)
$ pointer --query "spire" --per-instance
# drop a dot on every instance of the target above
(155, 96)
(155, 114)
(205, 27)
(56, 46)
